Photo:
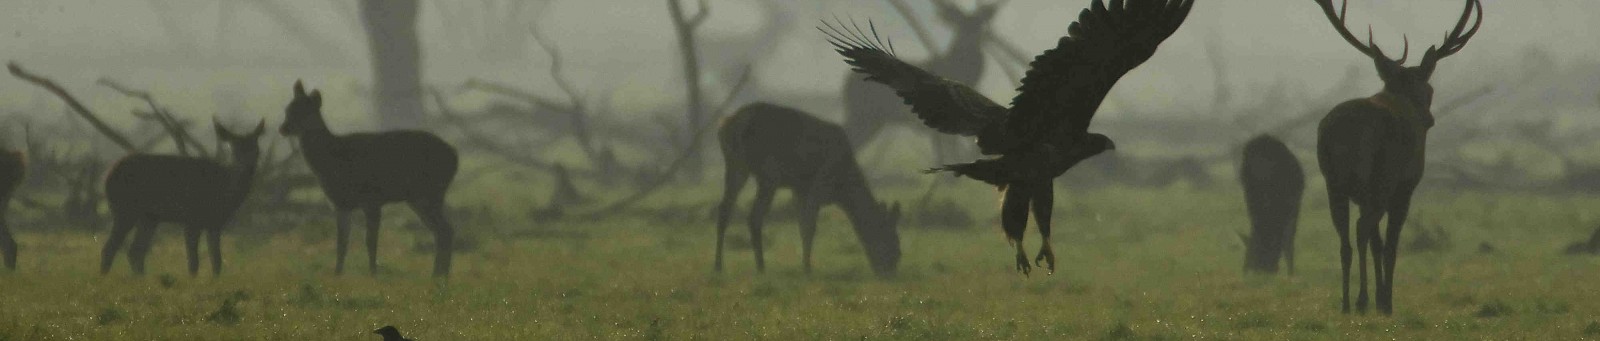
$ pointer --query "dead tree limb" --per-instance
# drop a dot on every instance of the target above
(480, 140)
(174, 127)
(509, 91)
(72, 102)
(685, 26)
(677, 163)
(916, 26)
(580, 112)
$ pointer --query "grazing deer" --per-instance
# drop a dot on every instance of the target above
(13, 166)
(1273, 183)
(870, 107)
(143, 190)
(367, 170)
(786, 148)
(1046, 130)
(1371, 151)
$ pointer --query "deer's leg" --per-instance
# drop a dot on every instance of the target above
(341, 220)
(1366, 228)
(120, 226)
(1288, 251)
(214, 247)
(1014, 220)
(8, 244)
(758, 215)
(1398, 211)
(143, 239)
(374, 218)
(444, 235)
(191, 247)
(1043, 203)
(1339, 208)
(733, 183)
(809, 208)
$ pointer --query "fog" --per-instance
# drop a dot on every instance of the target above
(192, 52)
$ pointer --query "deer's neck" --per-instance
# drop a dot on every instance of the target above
(243, 175)
(855, 197)
(1412, 111)
(963, 61)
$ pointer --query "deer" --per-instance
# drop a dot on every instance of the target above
(144, 190)
(786, 148)
(368, 170)
(1045, 131)
(1370, 151)
(13, 168)
(870, 107)
(1273, 184)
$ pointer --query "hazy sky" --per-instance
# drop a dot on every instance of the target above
(628, 46)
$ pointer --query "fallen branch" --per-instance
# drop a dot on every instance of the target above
(72, 102)
(173, 126)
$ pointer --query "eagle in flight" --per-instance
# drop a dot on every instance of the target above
(1046, 129)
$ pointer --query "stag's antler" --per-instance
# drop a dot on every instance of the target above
(1369, 48)
(1455, 40)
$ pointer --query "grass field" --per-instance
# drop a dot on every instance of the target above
(1137, 264)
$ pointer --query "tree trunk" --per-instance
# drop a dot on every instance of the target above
(396, 62)
(685, 27)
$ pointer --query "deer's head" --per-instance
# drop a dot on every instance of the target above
(880, 236)
(962, 21)
(245, 148)
(1410, 83)
(304, 112)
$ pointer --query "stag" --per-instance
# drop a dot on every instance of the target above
(13, 166)
(870, 107)
(144, 190)
(367, 170)
(1371, 150)
(1045, 131)
(1273, 183)
(785, 148)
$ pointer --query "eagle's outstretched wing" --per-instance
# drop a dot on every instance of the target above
(942, 104)
(1065, 85)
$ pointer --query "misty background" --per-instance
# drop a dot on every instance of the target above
(1277, 59)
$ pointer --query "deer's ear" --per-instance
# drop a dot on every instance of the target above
(221, 131)
(316, 97)
(299, 89)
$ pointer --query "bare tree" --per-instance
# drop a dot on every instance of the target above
(391, 27)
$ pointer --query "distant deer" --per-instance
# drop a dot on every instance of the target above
(786, 148)
(1371, 151)
(143, 190)
(1273, 183)
(870, 107)
(13, 166)
(367, 170)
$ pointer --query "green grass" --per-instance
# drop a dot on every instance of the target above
(1137, 265)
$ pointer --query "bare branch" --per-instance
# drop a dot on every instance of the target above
(73, 103)
(174, 127)
(509, 91)
(916, 26)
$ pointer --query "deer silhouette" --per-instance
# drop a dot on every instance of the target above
(144, 190)
(1371, 150)
(786, 148)
(13, 167)
(367, 170)
(1045, 131)
(871, 107)
(1273, 184)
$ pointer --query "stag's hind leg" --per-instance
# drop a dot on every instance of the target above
(444, 235)
(1399, 210)
(809, 208)
(144, 236)
(374, 218)
(733, 182)
(758, 215)
(120, 226)
(341, 221)
(1043, 202)
(214, 247)
(191, 247)
(1339, 208)
(1014, 220)
(8, 244)
(1366, 236)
